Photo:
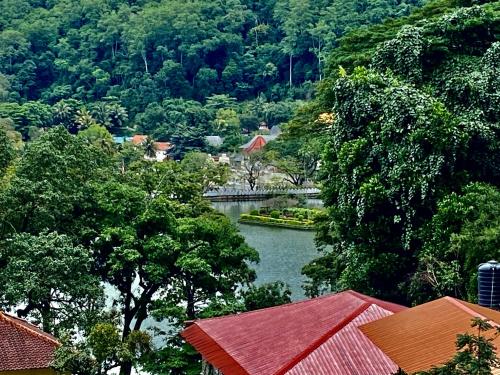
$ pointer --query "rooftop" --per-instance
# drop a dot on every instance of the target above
(163, 146)
(424, 336)
(23, 346)
(257, 142)
(317, 336)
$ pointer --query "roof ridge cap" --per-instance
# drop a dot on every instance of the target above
(12, 320)
(269, 308)
(376, 301)
(458, 303)
(323, 338)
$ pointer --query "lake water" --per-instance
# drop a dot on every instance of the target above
(283, 252)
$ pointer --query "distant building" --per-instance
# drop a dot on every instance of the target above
(25, 349)
(139, 139)
(316, 336)
(121, 140)
(424, 336)
(214, 140)
(263, 127)
(276, 130)
(161, 148)
(224, 159)
(257, 143)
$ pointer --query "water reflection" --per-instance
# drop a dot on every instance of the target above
(283, 252)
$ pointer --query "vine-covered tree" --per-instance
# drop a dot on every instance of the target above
(409, 142)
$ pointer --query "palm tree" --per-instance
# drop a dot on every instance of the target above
(149, 148)
(101, 113)
(62, 112)
(118, 115)
(84, 119)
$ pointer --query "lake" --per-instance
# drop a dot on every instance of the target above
(283, 252)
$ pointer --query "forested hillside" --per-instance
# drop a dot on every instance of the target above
(152, 66)
(411, 166)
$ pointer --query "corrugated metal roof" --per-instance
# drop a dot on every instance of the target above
(274, 340)
(349, 351)
(424, 336)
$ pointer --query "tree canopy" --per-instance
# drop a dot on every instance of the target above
(411, 158)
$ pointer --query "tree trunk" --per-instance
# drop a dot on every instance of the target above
(126, 368)
(190, 310)
(145, 59)
(319, 61)
(291, 68)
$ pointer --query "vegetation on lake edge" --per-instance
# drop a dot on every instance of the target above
(279, 222)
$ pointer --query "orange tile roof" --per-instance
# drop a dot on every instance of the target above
(424, 336)
(138, 139)
(23, 346)
(163, 146)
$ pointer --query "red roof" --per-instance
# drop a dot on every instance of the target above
(163, 146)
(23, 346)
(257, 143)
(424, 336)
(310, 336)
(139, 139)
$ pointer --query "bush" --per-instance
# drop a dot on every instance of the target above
(254, 213)
(275, 214)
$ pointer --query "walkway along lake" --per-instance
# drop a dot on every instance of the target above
(283, 252)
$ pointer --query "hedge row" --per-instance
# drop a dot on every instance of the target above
(271, 221)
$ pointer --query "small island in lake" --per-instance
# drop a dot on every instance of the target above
(296, 218)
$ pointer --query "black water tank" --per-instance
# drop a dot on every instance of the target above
(488, 280)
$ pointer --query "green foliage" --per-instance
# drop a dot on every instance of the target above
(6, 151)
(275, 214)
(76, 214)
(267, 295)
(280, 222)
(124, 60)
(211, 175)
(100, 351)
(462, 234)
(405, 142)
(294, 157)
(51, 278)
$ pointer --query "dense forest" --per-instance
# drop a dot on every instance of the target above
(399, 100)
(171, 69)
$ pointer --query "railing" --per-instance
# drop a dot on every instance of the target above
(225, 194)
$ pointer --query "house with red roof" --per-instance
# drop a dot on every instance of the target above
(161, 148)
(315, 336)
(24, 349)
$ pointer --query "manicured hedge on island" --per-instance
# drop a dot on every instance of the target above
(280, 222)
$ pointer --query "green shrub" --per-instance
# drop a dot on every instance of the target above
(275, 214)
(282, 221)
(254, 213)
